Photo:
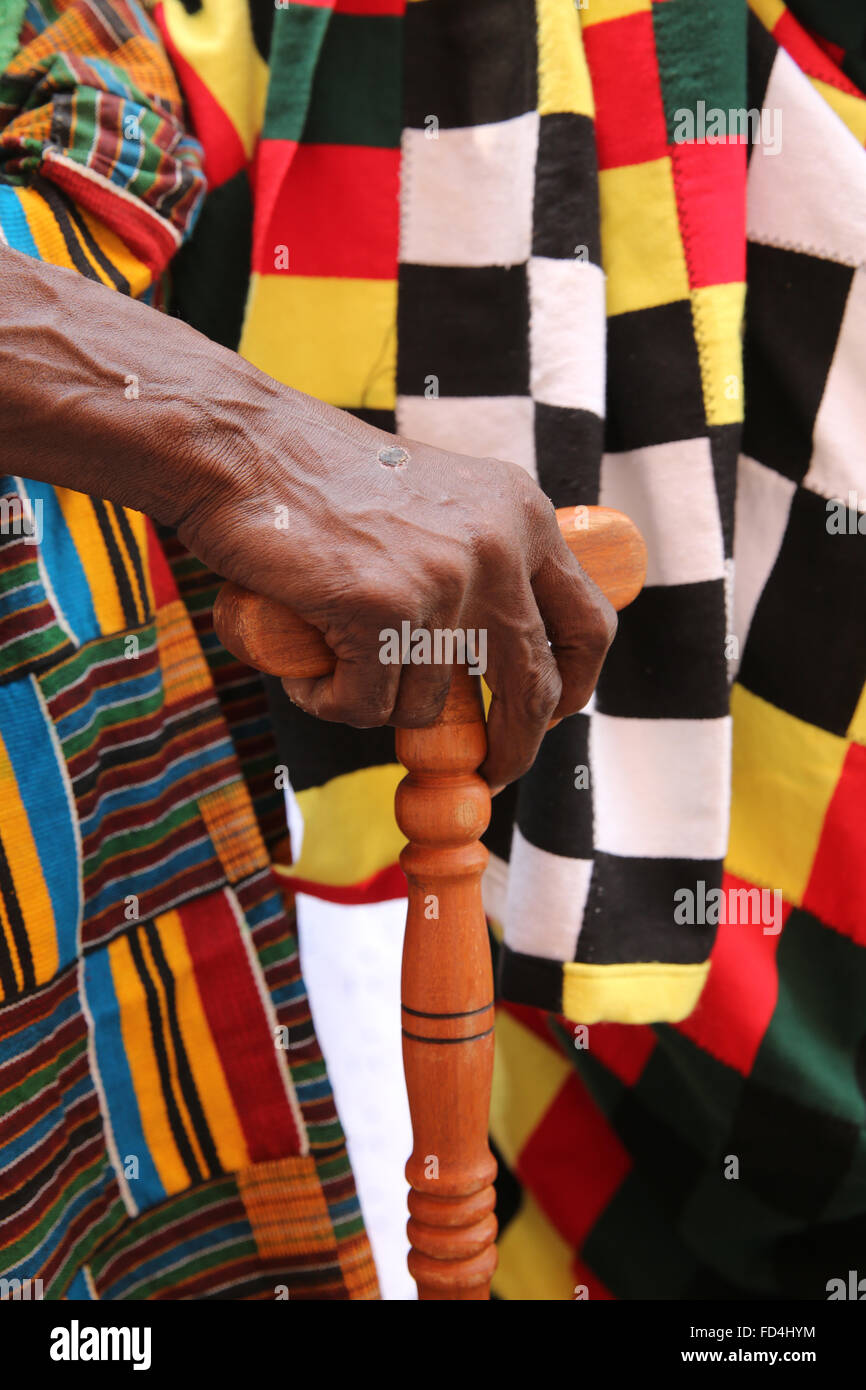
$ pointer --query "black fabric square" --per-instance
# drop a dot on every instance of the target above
(552, 813)
(725, 443)
(566, 219)
(469, 64)
(806, 648)
(786, 372)
(382, 419)
(217, 253)
(261, 21)
(710, 1287)
(568, 448)
(791, 1156)
(806, 1260)
(509, 1193)
(629, 913)
(665, 1162)
(497, 836)
(468, 327)
(654, 392)
(315, 750)
(668, 658)
(529, 980)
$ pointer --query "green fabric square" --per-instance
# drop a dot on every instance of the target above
(357, 88)
(701, 50)
(812, 1048)
(335, 78)
(299, 33)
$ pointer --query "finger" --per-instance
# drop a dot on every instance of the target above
(580, 625)
(526, 688)
(422, 695)
(426, 678)
(361, 691)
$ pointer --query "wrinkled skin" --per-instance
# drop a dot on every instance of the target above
(214, 447)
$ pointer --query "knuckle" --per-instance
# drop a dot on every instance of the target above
(601, 626)
(540, 694)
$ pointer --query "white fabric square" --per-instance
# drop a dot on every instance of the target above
(838, 466)
(760, 520)
(468, 194)
(567, 333)
(811, 196)
(501, 427)
(669, 492)
(545, 902)
(661, 787)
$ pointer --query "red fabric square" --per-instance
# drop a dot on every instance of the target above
(836, 891)
(806, 53)
(623, 1048)
(335, 210)
(630, 119)
(710, 184)
(161, 578)
(573, 1162)
(739, 998)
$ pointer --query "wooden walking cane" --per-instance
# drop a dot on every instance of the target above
(442, 807)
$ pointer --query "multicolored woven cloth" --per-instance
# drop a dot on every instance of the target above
(560, 281)
(167, 1128)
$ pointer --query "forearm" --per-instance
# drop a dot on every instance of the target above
(101, 394)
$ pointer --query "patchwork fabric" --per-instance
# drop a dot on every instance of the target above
(167, 1128)
(724, 1158)
(537, 192)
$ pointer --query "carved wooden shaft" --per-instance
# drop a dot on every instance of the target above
(443, 807)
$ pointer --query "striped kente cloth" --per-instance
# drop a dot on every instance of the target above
(167, 1128)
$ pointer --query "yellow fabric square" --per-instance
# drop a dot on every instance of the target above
(643, 992)
(850, 109)
(642, 251)
(717, 315)
(563, 76)
(349, 828)
(784, 774)
(597, 11)
(769, 12)
(217, 39)
(535, 1263)
(857, 727)
(332, 337)
(527, 1076)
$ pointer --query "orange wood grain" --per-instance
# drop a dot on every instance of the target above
(442, 807)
